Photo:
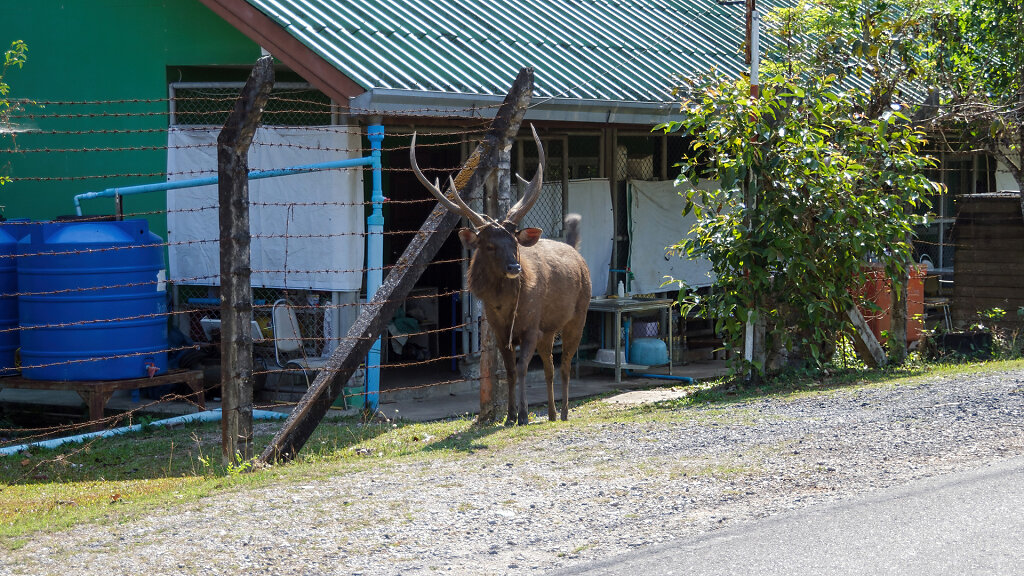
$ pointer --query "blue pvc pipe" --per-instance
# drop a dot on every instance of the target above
(374, 260)
(686, 379)
(253, 175)
(207, 416)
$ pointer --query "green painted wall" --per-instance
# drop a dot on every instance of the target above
(100, 50)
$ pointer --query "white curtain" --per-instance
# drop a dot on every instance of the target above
(591, 199)
(307, 228)
(656, 223)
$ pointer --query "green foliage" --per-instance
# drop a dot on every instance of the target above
(981, 49)
(819, 175)
(881, 42)
(14, 57)
(1007, 340)
(833, 188)
(979, 75)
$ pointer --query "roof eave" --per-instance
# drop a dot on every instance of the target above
(259, 28)
(414, 103)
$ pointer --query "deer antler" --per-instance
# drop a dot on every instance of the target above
(516, 213)
(458, 206)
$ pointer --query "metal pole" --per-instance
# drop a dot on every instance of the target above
(755, 55)
(750, 194)
(374, 262)
(252, 175)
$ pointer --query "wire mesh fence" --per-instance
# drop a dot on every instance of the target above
(210, 104)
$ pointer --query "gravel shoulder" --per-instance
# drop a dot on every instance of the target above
(579, 494)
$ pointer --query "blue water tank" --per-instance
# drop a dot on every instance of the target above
(92, 301)
(648, 351)
(8, 302)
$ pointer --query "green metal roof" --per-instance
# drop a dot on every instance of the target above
(582, 51)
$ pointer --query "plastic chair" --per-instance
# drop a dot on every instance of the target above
(288, 341)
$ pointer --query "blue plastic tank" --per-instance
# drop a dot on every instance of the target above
(8, 302)
(92, 301)
(648, 351)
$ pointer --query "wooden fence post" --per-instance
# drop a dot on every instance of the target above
(235, 291)
(867, 346)
(498, 199)
(374, 317)
(490, 388)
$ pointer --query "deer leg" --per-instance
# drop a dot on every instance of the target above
(547, 342)
(571, 336)
(526, 348)
(508, 358)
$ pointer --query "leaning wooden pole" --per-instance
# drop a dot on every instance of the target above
(235, 292)
(377, 313)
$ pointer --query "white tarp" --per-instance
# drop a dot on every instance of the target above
(591, 199)
(307, 229)
(656, 223)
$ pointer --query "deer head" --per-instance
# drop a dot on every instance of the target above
(499, 241)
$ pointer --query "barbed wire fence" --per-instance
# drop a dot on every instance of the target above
(438, 339)
(193, 307)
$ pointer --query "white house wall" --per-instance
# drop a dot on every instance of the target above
(1005, 180)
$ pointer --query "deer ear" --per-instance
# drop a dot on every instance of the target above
(528, 236)
(468, 238)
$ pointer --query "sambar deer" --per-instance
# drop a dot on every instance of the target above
(532, 288)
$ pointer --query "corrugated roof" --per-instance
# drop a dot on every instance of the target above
(581, 50)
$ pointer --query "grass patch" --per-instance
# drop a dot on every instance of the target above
(799, 385)
(124, 477)
(121, 477)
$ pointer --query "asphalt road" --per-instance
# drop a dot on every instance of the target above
(960, 524)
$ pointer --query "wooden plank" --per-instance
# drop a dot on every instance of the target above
(235, 288)
(976, 266)
(96, 393)
(997, 256)
(963, 292)
(1008, 285)
(1007, 214)
(373, 317)
(173, 377)
(869, 350)
(980, 237)
(965, 310)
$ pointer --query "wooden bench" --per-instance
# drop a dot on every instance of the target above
(97, 393)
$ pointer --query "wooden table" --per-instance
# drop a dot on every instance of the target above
(96, 393)
(618, 307)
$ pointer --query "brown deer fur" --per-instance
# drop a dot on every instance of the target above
(549, 296)
(532, 289)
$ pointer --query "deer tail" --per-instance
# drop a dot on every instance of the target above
(572, 230)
